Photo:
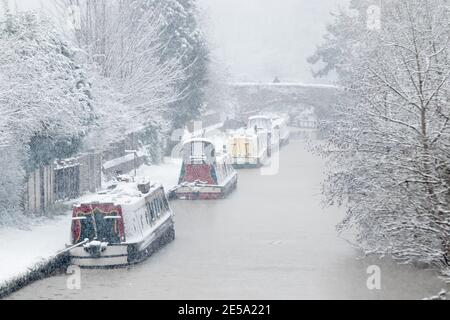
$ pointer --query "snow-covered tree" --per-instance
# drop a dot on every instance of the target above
(44, 100)
(185, 42)
(344, 41)
(42, 91)
(388, 144)
(121, 43)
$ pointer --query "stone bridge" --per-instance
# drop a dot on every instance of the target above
(283, 97)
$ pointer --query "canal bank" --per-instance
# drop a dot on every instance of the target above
(271, 239)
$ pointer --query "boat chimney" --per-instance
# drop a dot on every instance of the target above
(144, 188)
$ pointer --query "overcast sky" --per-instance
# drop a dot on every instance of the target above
(261, 39)
(257, 40)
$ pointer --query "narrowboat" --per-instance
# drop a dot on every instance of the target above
(248, 149)
(281, 129)
(121, 226)
(205, 174)
(260, 123)
(275, 126)
(263, 124)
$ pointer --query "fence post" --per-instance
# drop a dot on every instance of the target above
(37, 193)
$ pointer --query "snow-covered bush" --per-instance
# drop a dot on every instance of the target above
(12, 176)
(388, 144)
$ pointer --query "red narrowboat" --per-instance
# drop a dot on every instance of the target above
(121, 226)
(205, 175)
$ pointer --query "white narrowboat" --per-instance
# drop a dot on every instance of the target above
(281, 129)
(260, 123)
(121, 226)
(275, 126)
(205, 174)
(263, 125)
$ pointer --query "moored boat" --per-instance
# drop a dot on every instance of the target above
(281, 129)
(248, 149)
(263, 125)
(122, 225)
(275, 126)
(205, 174)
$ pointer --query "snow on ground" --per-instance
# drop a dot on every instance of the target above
(20, 250)
(167, 173)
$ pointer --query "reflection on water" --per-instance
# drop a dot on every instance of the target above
(271, 239)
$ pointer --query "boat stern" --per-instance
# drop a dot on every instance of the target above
(199, 193)
(99, 255)
(246, 163)
(205, 192)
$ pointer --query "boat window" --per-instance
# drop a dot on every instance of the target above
(147, 213)
(153, 211)
(158, 207)
(166, 204)
(163, 206)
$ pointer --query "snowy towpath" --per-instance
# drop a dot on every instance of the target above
(21, 250)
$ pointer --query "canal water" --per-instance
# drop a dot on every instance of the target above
(271, 239)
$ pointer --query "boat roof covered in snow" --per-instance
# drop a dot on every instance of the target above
(122, 193)
(243, 134)
(260, 117)
(198, 140)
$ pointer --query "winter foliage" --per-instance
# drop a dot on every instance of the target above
(389, 138)
(149, 60)
(120, 44)
(43, 93)
(186, 43)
